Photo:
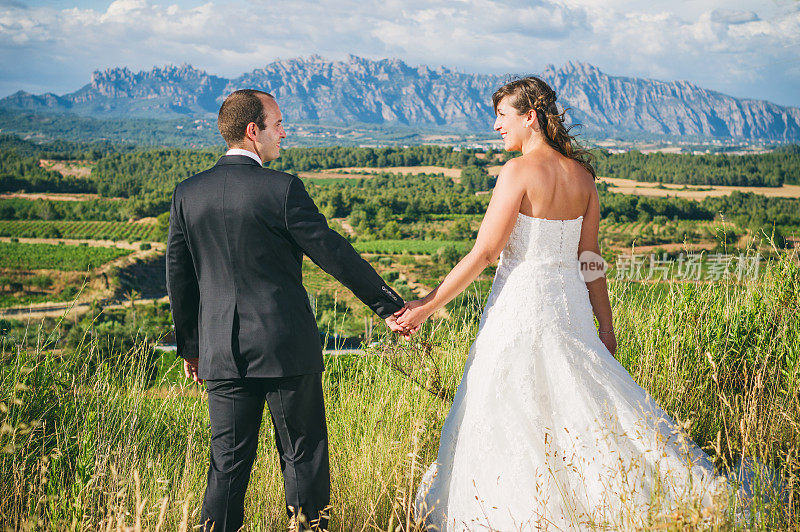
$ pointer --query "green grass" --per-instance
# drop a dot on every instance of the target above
(83, 437)
(98, 431)
(19, 256)
(667, 232)
(8, 300)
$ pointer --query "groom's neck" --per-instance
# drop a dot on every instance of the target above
(244, 151)
(246, 145)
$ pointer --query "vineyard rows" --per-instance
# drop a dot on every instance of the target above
(417, 247)
(129, 231)
(21, 256)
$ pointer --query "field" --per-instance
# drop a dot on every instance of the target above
(55, 196)
(629, 186)
(83, 230)
(81, 169)
(406, 170)
(19, 256)
(10, 300)
(327, 178)
(331, 174)
(415, 247)
(357, 172)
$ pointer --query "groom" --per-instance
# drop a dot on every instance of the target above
(243, 322)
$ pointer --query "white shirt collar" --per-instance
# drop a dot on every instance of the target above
(246, 153)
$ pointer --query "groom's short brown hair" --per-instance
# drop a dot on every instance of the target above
(239, 109)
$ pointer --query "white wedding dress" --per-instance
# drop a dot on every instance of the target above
(547, 430)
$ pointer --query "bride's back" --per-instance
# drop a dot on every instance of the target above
(557, 187)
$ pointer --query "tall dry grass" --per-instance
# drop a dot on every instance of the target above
(94, 443)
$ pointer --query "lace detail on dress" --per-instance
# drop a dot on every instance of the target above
(547, 428)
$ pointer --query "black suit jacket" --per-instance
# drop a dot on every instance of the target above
(237, 235)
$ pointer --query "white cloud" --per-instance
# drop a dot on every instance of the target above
(743, 47)
(732, 16)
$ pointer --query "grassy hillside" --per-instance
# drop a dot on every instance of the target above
(96, 437)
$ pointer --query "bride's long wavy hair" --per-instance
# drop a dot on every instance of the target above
(532, 93)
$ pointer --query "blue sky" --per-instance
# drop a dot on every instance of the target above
(745, 48)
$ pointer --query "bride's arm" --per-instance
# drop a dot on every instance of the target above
(598, 288)
(501, 214)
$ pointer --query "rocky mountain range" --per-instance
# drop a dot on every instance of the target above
(390, 92)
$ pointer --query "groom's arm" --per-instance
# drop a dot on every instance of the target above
(182, 286)
(333, 253)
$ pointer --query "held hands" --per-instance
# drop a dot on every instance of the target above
(408, 319)
(391, 322)
(412, 315)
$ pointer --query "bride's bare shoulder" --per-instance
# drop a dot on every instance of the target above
(513, 174)
(523, 168)
(540, 171)
(512, 166)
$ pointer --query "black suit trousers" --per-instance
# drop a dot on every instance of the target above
(297, 409)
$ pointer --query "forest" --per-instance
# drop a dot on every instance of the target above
(144, 179)
(773, 169)
(304, 159)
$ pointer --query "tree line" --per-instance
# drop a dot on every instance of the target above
(40, 209)
(126, 171)
(146, 178)
(771, 169)
(25, 173)
(307, 159)
(382, 206)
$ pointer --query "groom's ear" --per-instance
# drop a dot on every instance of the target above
(251, 131)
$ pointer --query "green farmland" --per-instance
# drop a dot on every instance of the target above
(15, 255)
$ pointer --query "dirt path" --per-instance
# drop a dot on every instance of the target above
(97, 283)
(454, 173)
(345, 225)
(70, 310)
(420, 289)
(55, 196)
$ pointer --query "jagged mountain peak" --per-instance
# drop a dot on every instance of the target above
(579, 67)
(167, 73)
(390, 91)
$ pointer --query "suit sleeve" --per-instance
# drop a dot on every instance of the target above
(333, 253)
(182, 286)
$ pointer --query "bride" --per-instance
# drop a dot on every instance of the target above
(547, 430)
